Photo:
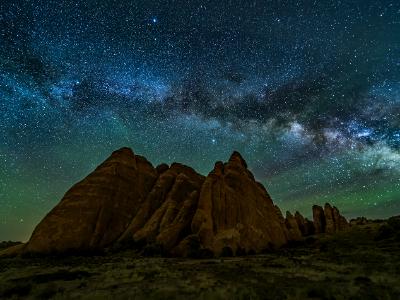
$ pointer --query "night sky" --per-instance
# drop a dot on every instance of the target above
(308, 92)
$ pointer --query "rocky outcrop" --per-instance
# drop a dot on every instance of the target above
(97, 210)
(306, 226)
(172, 210)
(236, 212)
(341, 222)
(319, 219)
(335, 222)
(12, 250)
(359, 221)
(172, 219)
(295, 234)
(330, 224)
(328, 219)
(168, 209)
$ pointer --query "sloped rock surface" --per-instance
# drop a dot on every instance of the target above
(97, 210)
(306, 226)
(335, 222)
(328, 219)
(319, 219)
(172, 210)
(234, 211)
(12, 250)
(168, 209)
(171, 221)
(295, 233)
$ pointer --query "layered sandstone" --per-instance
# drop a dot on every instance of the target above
(295, 234)
(97, 210)
(306, 226)
(126, 201)
(328, 219)
(235, 211)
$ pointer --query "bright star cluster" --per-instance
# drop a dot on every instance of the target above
(308, 92)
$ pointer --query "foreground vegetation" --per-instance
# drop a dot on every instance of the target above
(363, 263)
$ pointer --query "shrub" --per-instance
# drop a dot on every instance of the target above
(394, 222)
(227, 252)
(19, 289)
(384, 232)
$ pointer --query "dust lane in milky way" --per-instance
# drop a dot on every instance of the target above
(307, 91)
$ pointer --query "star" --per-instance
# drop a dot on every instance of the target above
(309, 98)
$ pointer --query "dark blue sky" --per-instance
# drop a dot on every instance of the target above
(307, 91)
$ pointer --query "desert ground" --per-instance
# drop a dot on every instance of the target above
(361, 263)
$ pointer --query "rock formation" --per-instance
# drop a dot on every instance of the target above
(328, 219)
(97, 210)
(359, 221)
(342, 223)
(295, 234)
(306, 226)
(235, 211)
(173, 210)
(330, 224)
(168, 210)
(319, 219)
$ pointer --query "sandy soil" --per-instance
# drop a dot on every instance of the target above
(363, 263)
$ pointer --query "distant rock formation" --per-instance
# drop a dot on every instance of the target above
(328, 219)
(293, 227)
(306, 226)
(319, 219)
(359, 221)
(173, 211)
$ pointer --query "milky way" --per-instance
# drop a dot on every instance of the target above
(308, 92)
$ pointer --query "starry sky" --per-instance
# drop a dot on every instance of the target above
(308, 92)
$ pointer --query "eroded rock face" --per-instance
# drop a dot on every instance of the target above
(341, 222)
(97, 210)
(306, 226)
(295, 233)
(359, 221)
(235, 212)
(171, 221)
(335, 222)
(319, 219)
(12, 251)
(328, 219)
(174, 210)
(167, 212)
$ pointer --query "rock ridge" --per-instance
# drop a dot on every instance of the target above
(173, 210)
